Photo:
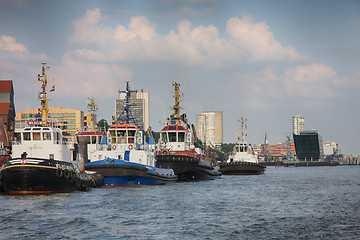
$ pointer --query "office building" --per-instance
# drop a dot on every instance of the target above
(69, 120)
(139, 107)
(308, 146)
(209, 128)
(298, 124)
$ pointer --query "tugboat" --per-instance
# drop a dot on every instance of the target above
(242, 160)
(128, 156)
(41, 161)
(178, 148)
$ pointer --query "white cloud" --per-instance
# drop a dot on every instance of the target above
(257, 42)
(314, 83)
(8, 43)
(244, 41)
(311, 73)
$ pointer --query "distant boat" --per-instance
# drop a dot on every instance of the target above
(127, 156)
(242, 160)
(41, 161)
(178, 148)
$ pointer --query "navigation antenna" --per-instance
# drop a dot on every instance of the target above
(44, 110)
(126, 112)
(92, 108)
(176, 115)
(243, 126)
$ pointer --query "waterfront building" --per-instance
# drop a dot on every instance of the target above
(7, 113)
(298, 124)
(309, 146)
(70, 121)
(138, 105)
(209, 128)
(330, 148)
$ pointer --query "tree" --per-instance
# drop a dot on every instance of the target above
(103, 125)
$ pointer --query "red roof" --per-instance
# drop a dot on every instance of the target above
(4, 107)
(5, 86)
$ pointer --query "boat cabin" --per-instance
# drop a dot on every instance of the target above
(175, 133)
(42, 142)
(124, 134)
(40, 134)
(241, 147)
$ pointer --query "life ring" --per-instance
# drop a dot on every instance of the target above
(130, 147)
(59, 172)
(67, 174)
(114, 147)
(74, 175)
(165, 152)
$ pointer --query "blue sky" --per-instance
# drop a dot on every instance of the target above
(264, 60)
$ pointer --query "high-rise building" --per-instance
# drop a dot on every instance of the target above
(298, 124)
(209, 128)
(139, 107)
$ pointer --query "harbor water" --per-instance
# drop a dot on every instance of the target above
(284, 203)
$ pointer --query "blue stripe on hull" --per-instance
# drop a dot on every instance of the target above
(131, 180)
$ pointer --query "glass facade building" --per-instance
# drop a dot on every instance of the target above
(308, 146)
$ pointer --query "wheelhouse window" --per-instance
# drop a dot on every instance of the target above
(121, 134)
(172, 136)
(112, 136)
(36, 136)
(164, 137)
(181, 136)
(47, 136)
(131, 135)
(27, 136)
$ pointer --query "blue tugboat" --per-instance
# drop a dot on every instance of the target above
(128, 156)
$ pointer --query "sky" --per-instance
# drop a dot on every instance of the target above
(262, 60)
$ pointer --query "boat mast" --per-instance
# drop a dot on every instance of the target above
(44, 110)
(176, 115)
(126, 112)
(92, 108)
(243, 126)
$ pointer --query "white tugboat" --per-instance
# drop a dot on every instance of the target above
(41, 161)
(242, 160)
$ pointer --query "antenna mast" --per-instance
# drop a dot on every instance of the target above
(44, 110)
(243, 126)
(126, 112)
(176, 115)
(92, 108)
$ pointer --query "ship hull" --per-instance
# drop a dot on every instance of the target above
(311, 163)
(242, 168)
(122, 173)
(187, 168)
(37, 176)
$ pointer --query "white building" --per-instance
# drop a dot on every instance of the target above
(298, 124)
(139, 107)
(330, 148)
(209, 128)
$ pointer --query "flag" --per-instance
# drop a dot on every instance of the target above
(53, 88)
